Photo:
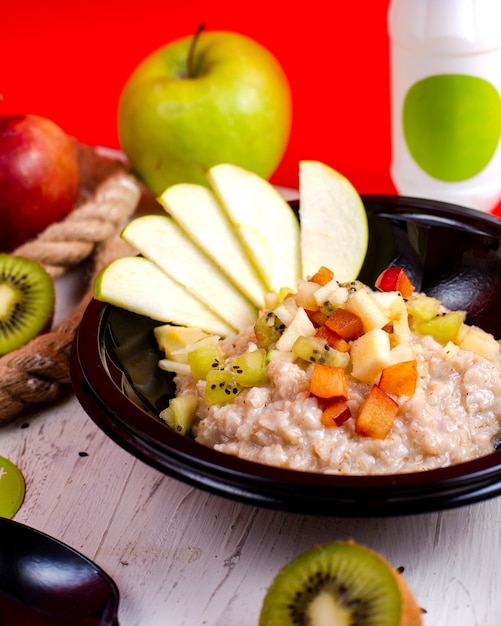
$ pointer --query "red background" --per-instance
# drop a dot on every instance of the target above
(69, 62)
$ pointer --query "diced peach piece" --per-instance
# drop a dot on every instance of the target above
(346, 324)
(323, 276)
(332, 339)
(335, 413)
(399, 379)
(328, 382)
(317, 318)
(395, 279)
(377, 414)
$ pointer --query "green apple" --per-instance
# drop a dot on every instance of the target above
(216, 97)
(265, 223)
(136, 284)
(197, 211)
(334, 227)
(159, 239)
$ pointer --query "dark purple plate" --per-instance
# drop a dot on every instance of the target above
(449, 252)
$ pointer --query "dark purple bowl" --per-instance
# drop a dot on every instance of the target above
(449, 252)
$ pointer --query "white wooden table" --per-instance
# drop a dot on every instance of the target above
(184, 557)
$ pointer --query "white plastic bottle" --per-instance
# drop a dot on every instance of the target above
(445, 67)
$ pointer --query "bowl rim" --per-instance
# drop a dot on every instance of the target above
(97, 382)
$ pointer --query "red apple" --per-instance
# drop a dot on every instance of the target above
(39, 177)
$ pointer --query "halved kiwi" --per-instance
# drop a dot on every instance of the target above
(339, 584)
(26, 301)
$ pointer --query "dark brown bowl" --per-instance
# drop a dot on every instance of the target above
(449, 252)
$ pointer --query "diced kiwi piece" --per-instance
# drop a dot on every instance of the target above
(26, 301)
(315, 350)
(221, 387)
(249, 368)
(342, 583)
(206, 357)
(422, 307)
(442, 328)
(268, 329)
(181, 413)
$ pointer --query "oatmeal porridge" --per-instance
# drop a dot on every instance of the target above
(441, 406)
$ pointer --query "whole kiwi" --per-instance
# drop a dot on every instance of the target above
(339, 584)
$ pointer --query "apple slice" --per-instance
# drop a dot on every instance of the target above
(264, 222)
(197, 211)
(334, 228)
(138, 285)
(159, 238)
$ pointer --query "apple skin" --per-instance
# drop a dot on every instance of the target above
(236, 109)
(39, 177)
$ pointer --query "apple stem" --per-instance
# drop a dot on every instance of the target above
(191, 52)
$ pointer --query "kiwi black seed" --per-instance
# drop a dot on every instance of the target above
(26, 301)
(339, 584)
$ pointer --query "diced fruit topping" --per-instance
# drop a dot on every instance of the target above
(314, 350)
(181, 413)
(395, 279)
(329, 382)
(346, 324)
(336, 413)
(377, 414)
(340, 333)
(399, 379)
(442, 328)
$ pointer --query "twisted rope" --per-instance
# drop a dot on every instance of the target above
(37, 372)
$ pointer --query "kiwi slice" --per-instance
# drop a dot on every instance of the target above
(26, 301)
(339, 584)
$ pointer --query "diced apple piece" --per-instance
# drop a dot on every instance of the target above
(399, 379)
(174, 340)
(300, 326)
(159, 238)
(286, 311)
(329, 382)
(305, 296)
(442, 328)
(478, 341)
(377, 414)
(197, 211)
(370, 353)
(138, 285)
(346, 324)
(181, 413)
(331, 294)
(368, 310)
(175, 367)
(264, 221)
(334, 227)
(336, 413)
(395, 279)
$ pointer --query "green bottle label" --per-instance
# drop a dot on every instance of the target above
(452, 125)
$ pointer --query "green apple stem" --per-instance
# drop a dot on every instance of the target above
(191, 52)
